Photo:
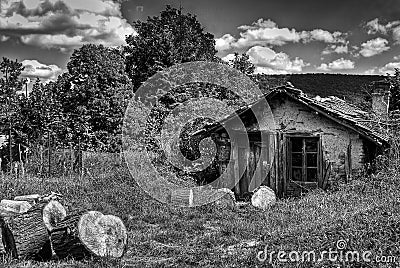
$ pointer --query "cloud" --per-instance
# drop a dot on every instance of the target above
(388, 68)
(374, 47)
(260, 23)
(268, 33)
(338, 49)
(396, 34)
(64, 25)
(268, 61)
(393, 28)
(4, 38)
(396, 57)
(229, 57)
(34, 69)
(339, 64)
(374, 27)
(224, 43)
(323, 36)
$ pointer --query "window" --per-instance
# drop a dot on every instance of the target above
(303, 154)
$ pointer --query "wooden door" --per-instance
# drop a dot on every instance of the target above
(254, 161)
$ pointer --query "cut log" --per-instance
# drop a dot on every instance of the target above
(24, 235)
(89, 234)
(15, 206)
(53, 212)
(31, 199)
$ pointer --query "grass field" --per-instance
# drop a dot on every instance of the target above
(364, 213)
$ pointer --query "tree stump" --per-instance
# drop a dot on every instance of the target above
(24, 235)
(15, 206)
(53, 212)
(87, 234)
(33, 199)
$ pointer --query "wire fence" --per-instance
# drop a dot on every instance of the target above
(52, 162)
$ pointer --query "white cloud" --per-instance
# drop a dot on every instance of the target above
(393, 27)
(64, 24)
(396, 57)
(396, 34)
(260, 23)
(374, 47)
(34, 69)
(339, 64)
(225, 42)
(229, 57)
(323, 36)
(372, 71)
(389, 68)
(268, 61)
(4, 38)
(268, 33)
(338, 49)
(374, 27)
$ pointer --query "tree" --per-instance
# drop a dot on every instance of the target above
(242, 63)
(394, 81)
(41, 112)
(94, 94)
(164, 41)
(10, 119)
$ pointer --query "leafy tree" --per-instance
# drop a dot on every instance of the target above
(163, 41)
(10, 119)
(242, 63)
(94, 94)
(395, 90)
(41, 112)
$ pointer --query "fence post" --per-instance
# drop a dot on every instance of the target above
(10, 146)
(49, 151)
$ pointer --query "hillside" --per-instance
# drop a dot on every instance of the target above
(349, 87)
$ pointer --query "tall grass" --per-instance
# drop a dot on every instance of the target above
(365, 213)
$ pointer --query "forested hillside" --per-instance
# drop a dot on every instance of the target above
(349, 87)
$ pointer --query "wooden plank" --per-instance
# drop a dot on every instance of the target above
(321, 168)
(273, 162)
(278, 164)
(256, 165)
(281, 166)
(242, 159)
(236, 167)
(285, 164)
(348, 163)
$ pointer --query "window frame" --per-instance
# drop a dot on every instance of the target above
(304, 153)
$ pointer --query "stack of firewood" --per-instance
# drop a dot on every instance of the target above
(38, 227)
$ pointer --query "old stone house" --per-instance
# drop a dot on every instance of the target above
(312, 143)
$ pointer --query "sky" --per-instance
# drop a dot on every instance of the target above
(280, 36)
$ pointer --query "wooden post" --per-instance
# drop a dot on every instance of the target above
(79, 158)
(49, 151)
(21, 164)
(10, 145)
(41, 159)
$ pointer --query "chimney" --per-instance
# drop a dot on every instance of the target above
(380, 98)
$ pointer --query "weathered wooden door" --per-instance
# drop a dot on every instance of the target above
(253, 160)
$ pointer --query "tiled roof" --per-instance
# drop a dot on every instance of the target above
(343, 112)
(363, 121)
